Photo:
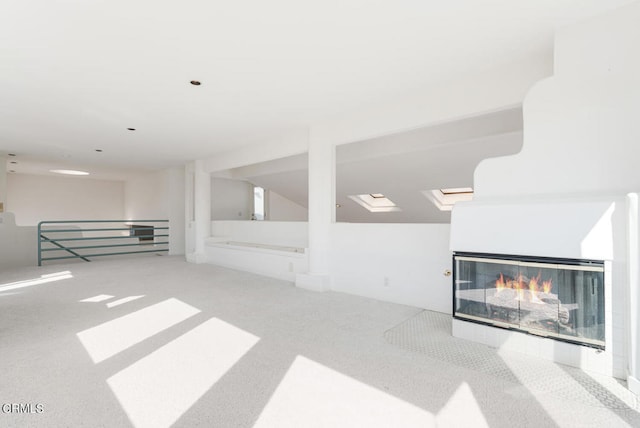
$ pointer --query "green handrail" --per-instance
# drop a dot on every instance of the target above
(146, 235)
(60, 247)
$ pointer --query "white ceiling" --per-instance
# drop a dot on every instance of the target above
(400, 166)
(75, 74)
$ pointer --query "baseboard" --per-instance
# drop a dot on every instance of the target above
(634, 385)
(196, 258)
(313, 282)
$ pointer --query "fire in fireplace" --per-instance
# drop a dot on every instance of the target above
(561, 299)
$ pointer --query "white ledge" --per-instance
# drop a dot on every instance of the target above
(255, 246)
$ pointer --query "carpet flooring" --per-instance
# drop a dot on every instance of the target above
(158, 342)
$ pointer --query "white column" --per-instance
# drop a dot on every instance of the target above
(200, 202)
(175, 188)
(3, 183)
(633, 261)
(321, 215)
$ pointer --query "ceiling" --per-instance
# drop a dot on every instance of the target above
(75, 74)
(400, 166)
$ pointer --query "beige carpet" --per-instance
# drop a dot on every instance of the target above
(159, 342)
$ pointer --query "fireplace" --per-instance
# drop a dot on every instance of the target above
(562, 299)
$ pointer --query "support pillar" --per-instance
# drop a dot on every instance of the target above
(633, 261)
(3, 183)
(321, 215)
(200, 202)
(175, 188)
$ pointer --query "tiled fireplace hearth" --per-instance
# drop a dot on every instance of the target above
(561, 299)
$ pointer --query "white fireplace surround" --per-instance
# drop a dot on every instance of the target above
(576, 229)
(572, 191)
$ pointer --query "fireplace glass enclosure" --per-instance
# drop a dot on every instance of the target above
(560, 299)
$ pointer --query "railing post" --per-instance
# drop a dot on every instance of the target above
(39, 245)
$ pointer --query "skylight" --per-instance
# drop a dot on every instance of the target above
(456, 190)
(375, 202)
(445, 199)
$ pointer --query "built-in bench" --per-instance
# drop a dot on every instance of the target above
(277, 261)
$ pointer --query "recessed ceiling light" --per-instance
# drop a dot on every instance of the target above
(69, 172)
(195, 82)
(13, 162)
(12, 154)
(131, 129)
(99, 150)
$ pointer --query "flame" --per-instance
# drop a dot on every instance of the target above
(533, 283)
(521, 284)
(518, 284)
(533, 289)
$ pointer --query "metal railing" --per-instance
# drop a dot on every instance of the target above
(65, 239)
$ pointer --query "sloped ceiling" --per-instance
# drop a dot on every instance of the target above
(400, 166)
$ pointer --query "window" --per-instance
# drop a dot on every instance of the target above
(258, 203)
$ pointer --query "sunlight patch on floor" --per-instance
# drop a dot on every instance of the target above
(112, 337)
(462, 410)
(123, 301)
(159, 388)
(312, 395)
(52, 277)
(96, 299)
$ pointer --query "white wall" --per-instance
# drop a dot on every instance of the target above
(231, 199)
(498, 87)
(282, 209)
(611, 37)
(175, 185)
(563, 195)
(3, 183)
(579, 228)
(293, 234)
(33, 198)
(581, 126)
(145, 197)
(275, 262)
(159, 195)
(633, 296)
(400, 263)
(18, 244)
